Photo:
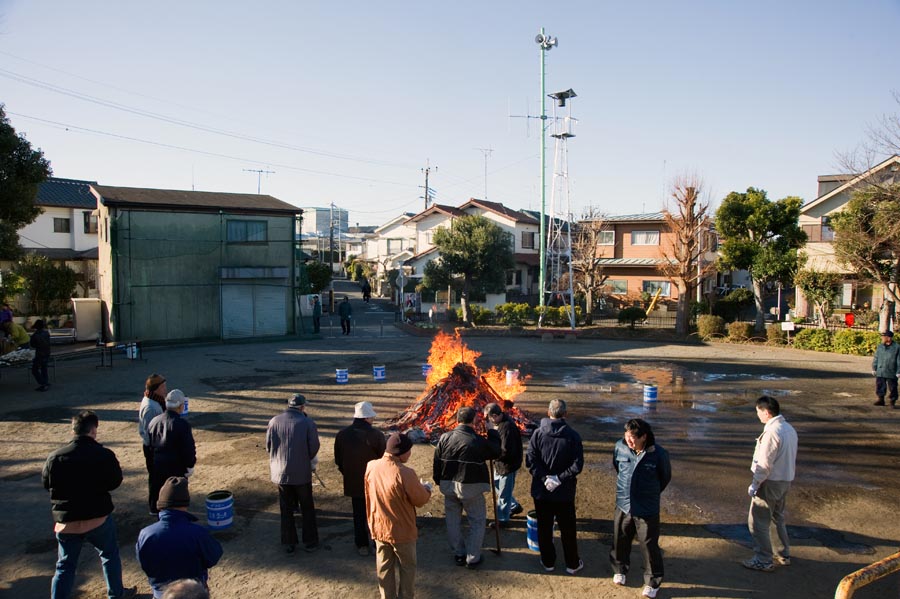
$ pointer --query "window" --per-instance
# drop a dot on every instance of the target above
(617, 287)
(246, 231)
(394, 246)
(608, 238)
(90, 223)
(652, 286)
(61, 225)
(527, 240)
(513, 277)
(645, 238)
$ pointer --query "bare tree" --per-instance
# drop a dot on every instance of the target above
(587, 258)
(687, 216)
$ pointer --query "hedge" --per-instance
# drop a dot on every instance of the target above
(856, 342)
(814, 339)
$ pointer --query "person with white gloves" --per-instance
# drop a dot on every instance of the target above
(555, 457)
(172, 441)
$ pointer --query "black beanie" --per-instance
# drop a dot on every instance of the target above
(174, 493)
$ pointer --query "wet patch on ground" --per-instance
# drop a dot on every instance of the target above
(236, 383)
(830, 539)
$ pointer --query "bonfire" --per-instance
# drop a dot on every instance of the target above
(456, 381)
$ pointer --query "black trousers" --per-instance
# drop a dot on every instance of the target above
(360, 525)
(152, 490)
(39, 371)
(316, 320)
(891, 387)
(289, 497)
(345, 326)
(564, 513)
(625, 528)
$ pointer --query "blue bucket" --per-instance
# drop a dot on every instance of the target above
(379, 373)
(220, 509)
(650, 393)
(531, 534)
(426, 368)
(341, 376)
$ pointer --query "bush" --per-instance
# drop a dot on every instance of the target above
(709, 325)
(731, 306)
(814, 339)
(866, 318)
(480, 315)
(856, 343)
(631, 315)
(775, 335)
(740, 331)
(514, 314)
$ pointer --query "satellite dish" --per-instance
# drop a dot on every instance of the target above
(540, 38)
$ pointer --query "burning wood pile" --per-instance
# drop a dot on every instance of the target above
(455, 381)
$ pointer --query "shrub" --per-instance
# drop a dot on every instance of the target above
(481, 315)
(740, 331)
(866, 318)
(856, 343)
(514, 314)
(814, 339)
(631, 315)
(731, 306)
(775, 335)
(709, 325)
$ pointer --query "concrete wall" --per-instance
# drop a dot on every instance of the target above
(39, 234)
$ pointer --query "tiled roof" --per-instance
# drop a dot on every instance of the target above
(630, 261)
(438, 208)
(645, 217)
(516, 215)
(66, 193)
(202, 201)
(64, 253)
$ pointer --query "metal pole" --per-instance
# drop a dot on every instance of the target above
(543, 245)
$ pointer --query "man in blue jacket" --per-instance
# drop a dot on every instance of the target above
(174, 451)
(886, 368)
(643, 473)
(555, 457)
(176, 548)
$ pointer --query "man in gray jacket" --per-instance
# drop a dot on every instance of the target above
(886, 368)
(292, 443)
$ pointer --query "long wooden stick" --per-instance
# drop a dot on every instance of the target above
(494, 498)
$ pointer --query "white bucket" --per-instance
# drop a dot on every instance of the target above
(342, 377)
(219, 509)
(512, 376)
(379, 373)
(650, 392)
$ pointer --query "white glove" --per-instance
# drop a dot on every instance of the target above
(873, 373)
(314, 463)
(552, 482)
(751, 490)
(427, 485)
(189, 472)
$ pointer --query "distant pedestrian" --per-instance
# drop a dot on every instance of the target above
(172, 440)
(292, 443)
(774, 461)
(345, 310)
(393, 492)
(40, 342)
(366, 290)
(462, 474)
(80, 476)
(185, 589)
(886, 369)
(316, 313)
(354, 447)
(16, 334)
(153, 403)
(508, 463)
(642, 473)
(555, 457)
(176, 547)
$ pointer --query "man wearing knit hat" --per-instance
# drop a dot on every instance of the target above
(292, 443)
(393, 492)
(354, 447)
(175, 547)
(174, 451)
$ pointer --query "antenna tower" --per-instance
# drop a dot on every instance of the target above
(259, 173)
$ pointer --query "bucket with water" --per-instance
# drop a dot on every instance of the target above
(531, 532)
(650, 392)
(342, 377)
(220, 509)
(426, 368)
(379, 373)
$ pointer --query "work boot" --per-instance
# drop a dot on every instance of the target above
(880, 402)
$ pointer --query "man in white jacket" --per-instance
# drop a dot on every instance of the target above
(773, 471)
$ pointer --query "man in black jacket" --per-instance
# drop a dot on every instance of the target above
(555, 457)
(80, 476)
(354, 447)
(508, 463)
(174, 452)
(462, 474)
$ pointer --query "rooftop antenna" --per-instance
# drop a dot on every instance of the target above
(259, 173)
(487, 152)
(429, 193)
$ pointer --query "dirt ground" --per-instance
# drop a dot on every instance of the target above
(842, 507)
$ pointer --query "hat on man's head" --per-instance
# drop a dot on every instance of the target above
(398, 444)
(175, 493)
(363, 410)
(887, 334)
(297, 400)
(175, 399)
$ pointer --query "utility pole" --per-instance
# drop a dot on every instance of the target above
(487, 152)
(428, 191)
(259, 173)
(546, 43)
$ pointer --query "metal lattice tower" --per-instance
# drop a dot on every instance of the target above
(559, 284)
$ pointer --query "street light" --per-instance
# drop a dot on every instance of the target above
(546, 42)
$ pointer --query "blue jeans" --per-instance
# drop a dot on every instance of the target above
(103, 538)
(505, 483)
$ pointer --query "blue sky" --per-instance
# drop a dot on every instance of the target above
(346, 101)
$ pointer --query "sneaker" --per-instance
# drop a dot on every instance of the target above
(548, 568)
(755, 564)
(460, 560)
(310, 547)
(880, 402)
(619, 579)
(782, 560)
(516, 510)
(475, 564)
(576, 569)
(649, 591)
(290, 548)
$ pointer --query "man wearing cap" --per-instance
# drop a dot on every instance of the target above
(886, 368)
(354, 447)
(292, 443)
(507, 464)
(152, 405)
(393, 492)
(461, 472)
(172, 440)
(175, 547)
(80, 476)
(344, 311)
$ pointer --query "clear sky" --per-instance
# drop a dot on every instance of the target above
(346, 101)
